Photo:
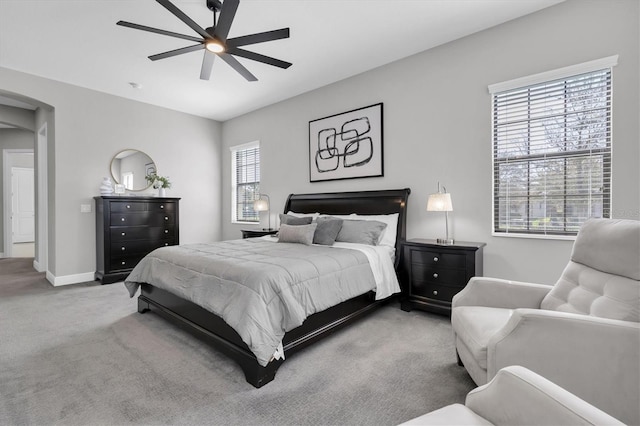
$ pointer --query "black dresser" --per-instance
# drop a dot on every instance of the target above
(128, 228)
(432, 273)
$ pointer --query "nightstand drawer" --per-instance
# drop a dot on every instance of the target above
(454, 277)
(434, 291)
(438, 259)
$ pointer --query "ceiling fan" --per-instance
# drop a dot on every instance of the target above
(214, 41)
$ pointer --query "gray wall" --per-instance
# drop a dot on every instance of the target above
(437, 126)
(11, 139)
(90, 128)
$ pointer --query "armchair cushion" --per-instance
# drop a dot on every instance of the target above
(475, 325)
(584, 290)
(602, 277)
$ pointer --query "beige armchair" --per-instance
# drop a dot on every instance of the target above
(517, 396)
(583, 333)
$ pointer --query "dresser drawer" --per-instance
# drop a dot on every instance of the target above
(435, 291)
(438, 259)
(128, 233)
(126, 247)
(126, 261)
(160, 207)
(127, 206)
(455, 277)
(142, 218)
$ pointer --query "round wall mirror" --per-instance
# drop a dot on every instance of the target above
(130, 167)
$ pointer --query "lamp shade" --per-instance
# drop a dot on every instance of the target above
(439, 202)
(261, 205)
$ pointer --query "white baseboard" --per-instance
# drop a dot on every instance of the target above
(37, 267)
(1, 255)
(69, 279)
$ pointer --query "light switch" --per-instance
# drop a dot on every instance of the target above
(85, 208)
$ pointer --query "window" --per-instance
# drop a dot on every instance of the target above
(552, 150)
(245, 169)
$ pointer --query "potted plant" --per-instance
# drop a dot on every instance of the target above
(159, 182)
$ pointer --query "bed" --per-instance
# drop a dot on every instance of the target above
(203, 322)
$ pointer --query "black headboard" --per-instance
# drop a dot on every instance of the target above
(360, 202)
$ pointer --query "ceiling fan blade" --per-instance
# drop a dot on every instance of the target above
(176, 52)
(207, 65)
(258, 37)
(228, 12)
(184, 18)
(233, 62)
(258, 57)
(156, 30)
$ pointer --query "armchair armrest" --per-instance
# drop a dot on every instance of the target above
(499, 293)
(517, 395)
(594, 358)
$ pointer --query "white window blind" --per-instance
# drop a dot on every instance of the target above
(246, 181)
(552, 154)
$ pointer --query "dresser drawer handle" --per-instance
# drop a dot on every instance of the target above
(166, 218)
(435, 292)
(166, 244)
(166, 231)
(124, 233)
(122, 219)
(128, 206)
(435, 275)
(161, 206)
(124, 263)
(435, 259)
(123, 249)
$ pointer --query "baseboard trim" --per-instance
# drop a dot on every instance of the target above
(37, 267)
(69, 279)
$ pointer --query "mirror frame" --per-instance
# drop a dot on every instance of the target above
(116, 179)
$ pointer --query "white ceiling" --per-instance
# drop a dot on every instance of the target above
(78, 42)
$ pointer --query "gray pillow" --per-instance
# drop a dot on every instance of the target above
(301, 234)
(287, 219)
(327, 230)
(361, 232)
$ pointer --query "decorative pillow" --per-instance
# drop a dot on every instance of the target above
(301, 234)
(286, 219)
(388, 237)
(327, 230)
(361, 231)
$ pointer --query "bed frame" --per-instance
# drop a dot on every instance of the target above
(208, 325)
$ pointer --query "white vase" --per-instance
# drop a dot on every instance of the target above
(162, 192)
(106, 188)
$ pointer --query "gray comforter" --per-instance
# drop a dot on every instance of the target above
(260, 288)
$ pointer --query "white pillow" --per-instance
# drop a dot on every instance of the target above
(388, 236)
(312, 215)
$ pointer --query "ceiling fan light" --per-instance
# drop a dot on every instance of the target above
(214, 46)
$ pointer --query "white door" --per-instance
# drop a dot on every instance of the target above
(22, 205)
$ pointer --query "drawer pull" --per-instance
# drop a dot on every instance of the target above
(435, 275)
(166, 244)
(166, 231)
(435, 292)
(161, 206)
(124, 263)
(435, 259)
(123, 249)
(122, 219)
(124, 233)
(128, 206)
(166, 218)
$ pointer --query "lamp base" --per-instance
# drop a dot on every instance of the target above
(445, 241)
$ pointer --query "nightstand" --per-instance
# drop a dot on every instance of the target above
(432, 273)
(252, 233)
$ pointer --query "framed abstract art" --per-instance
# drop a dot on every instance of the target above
(346, 145)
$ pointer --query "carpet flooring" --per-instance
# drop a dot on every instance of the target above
(82, 355)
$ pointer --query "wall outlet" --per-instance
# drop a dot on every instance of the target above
(85, 208)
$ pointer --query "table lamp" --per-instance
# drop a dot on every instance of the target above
(441, 202)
